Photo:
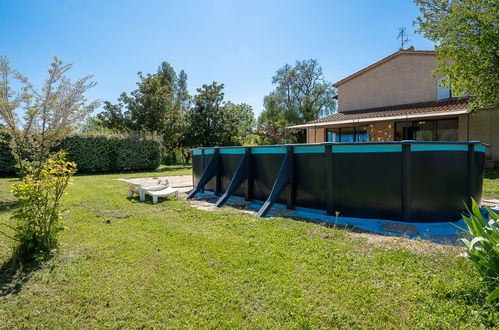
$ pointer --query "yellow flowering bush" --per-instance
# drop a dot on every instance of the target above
(39, 195)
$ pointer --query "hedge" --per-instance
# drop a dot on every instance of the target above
(105, 153)
(7, 161)
(110, 153)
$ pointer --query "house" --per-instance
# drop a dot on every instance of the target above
(398, 98)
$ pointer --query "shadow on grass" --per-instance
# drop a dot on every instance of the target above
(16, 271)
(9, 175)
(148, 199)
(492, 174)
(8, 206)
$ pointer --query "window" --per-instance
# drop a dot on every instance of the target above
(447, 129)
(332, 135)
(443, 92)
(348, 134)
(427, 130)
(404, 131)
(362, 135)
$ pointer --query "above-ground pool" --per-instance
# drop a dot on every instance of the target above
(405, 181)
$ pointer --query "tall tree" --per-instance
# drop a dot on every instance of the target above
(156, 106)
(211, 122)
(302, 94)
(466, 34)
(240, 121)
(36, 120)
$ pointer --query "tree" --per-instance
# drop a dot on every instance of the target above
(36, 121)
(157, 106)
(301, 95)
(466, 34)
(94, 125)
(240, 120)
(213, 123)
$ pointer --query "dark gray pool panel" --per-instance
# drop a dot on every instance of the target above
(406, 181)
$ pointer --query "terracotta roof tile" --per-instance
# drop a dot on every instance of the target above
(397, 110)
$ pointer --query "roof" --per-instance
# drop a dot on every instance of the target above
(409, 51)
(453, 106)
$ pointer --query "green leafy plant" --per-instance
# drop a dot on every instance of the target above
(483, 246)
(39, 195)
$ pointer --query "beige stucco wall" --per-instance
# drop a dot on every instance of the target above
(484, 127)
(404, 79)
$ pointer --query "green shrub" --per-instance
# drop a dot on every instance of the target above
(483, 246)
(92, 153)
(7, 161)
(174, 157)
(106, 153)
(39, 196)
(137, 153)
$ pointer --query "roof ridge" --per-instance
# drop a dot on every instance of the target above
(384, 60)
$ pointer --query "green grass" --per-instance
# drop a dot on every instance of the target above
(123, 263)
(491, 184)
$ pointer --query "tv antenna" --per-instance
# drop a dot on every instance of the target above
(403, 36)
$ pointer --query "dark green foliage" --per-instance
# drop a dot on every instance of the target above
(106, 153)
(302, 94)
(161, 105)
(466, 35)
(175, 157)
(156, 106)
(100, 153)
(211, 122)
(7, 161)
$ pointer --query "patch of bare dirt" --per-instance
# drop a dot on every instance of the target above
(182, 182)
(373, 240)
(392, 242)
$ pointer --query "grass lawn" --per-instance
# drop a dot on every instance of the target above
(491, 184)
(123, 263)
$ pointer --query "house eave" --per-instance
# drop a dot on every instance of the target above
(378, 119)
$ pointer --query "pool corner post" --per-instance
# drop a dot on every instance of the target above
(247, 185)
(328, 149)
(290, 191)
(406, 181)
(218, 183)
(471, 175)
(202, 165)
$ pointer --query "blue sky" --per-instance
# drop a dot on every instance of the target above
(238, 43)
